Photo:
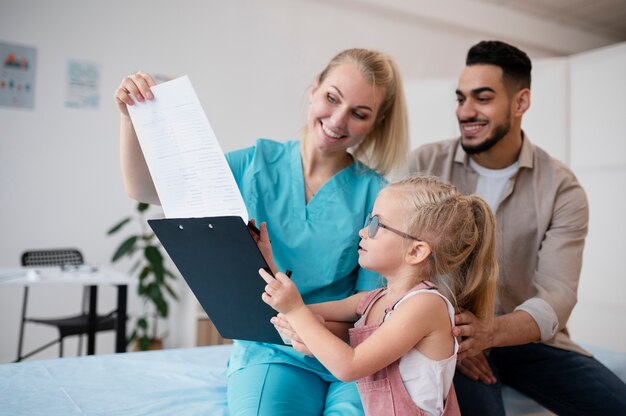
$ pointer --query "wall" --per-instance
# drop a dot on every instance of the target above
(250, 62)
(598, 156)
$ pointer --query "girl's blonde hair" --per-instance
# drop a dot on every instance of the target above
(386, 146)
(460, 231)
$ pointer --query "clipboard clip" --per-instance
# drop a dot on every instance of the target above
(180, 226)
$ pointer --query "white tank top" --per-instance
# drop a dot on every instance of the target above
(428, 381)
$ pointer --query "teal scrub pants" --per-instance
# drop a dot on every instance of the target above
(286, 390)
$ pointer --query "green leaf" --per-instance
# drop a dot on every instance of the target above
(133, 250)
(170, 291)
(154, 292)
(159, 277)
(124, 248)
(142, 323)
(144, 273)
(142, 206)
(162, 308)
(170, 274)
(154, 255)
(119, 225)
(156, 296)
(144, 343)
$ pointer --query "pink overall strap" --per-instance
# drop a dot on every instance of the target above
(367, 300)
(424, 284)
(451, 406)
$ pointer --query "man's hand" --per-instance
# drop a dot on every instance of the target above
(476, 368)
(475, 334)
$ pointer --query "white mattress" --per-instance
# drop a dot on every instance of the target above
(168, 382)
(180, 382)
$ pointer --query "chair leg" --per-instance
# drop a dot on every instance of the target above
(43, 347)
(80, 345)
(20, 340)
(61, 347)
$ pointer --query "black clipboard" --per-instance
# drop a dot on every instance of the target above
(219, 260)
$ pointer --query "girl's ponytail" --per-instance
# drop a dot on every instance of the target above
(481, 266)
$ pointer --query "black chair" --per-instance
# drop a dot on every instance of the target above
(67, 326)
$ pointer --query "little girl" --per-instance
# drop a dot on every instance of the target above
(436, 249)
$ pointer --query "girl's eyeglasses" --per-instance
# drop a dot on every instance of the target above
(373, 223)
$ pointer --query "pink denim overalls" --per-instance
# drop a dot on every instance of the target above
(383, 393)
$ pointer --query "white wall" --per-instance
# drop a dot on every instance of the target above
(598, 156)
(432, 106)
(250, 62)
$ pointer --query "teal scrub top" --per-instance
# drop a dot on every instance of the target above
(318, 241)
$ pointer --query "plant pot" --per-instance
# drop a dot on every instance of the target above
(155, 344)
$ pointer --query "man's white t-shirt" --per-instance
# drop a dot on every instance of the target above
(492, 182)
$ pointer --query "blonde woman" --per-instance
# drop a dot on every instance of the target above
(314, 193)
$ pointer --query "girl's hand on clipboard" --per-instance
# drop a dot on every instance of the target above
(281, 293)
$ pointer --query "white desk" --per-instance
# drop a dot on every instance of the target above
(81, 275)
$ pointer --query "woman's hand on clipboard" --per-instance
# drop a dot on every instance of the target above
(262, 239)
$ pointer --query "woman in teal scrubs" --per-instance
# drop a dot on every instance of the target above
(314, 195)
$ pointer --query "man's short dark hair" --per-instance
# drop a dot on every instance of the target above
(515, 64)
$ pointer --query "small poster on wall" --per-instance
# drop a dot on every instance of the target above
(17, 76)
(83, 79)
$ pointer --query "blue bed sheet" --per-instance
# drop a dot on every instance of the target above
(182, 382)
(168, 382)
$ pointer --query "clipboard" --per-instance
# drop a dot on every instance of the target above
(219, 260)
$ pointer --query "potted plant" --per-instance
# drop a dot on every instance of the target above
(153, 287)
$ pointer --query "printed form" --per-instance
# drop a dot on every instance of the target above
(186, 162)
